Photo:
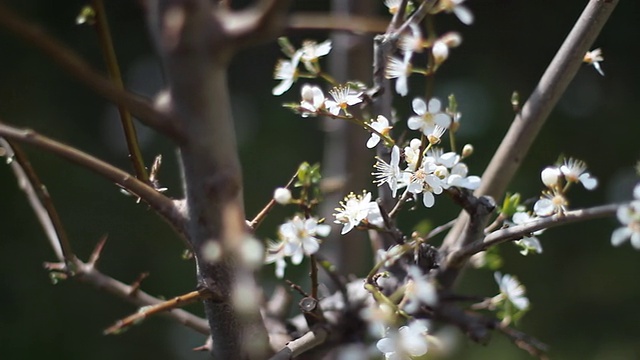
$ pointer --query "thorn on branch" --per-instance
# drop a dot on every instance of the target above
(135, 285)
(208, 345)
(97, 251)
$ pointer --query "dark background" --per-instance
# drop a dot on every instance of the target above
(584, 291)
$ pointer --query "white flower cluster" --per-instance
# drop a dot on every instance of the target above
(527, 243)
(315, 103)
(355, 209)
(511, 290)
(412, 41)
(558, 180)
(408, 341)
(437, 171)
(287, 70)
(629, 217)
(298, 238)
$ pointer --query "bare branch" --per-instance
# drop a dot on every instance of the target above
(39, 200)
(159, 308)
(90, 275)
(160, 203)
(536, 110)
(106, 43)
(308, 341)
(78, 68)
(518, 231)
(352, 23)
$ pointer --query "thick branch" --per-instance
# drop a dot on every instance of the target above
(196, 41)
(536, 110)
(545, 96)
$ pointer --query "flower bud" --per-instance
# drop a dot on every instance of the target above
(467, 150)
(282, 196)
(550, 177)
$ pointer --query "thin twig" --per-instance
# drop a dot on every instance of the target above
(162, 307)
(337, 22)
(90, 275)
(78, 68)
(524, 341)
(85, 272)
(106, 43)
(159, 202)
(257, 220)
(40, 200)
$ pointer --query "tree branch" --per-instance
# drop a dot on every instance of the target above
(160, 308)
(536, 110)
(161, 204)
(106, 43)
(78, 68)
(196, 41)
(518, 231)
(87, 273)
(39, 199)
(69, 264)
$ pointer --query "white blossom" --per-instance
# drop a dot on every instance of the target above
(576, 171)
(629, 217)
(390, 173)
(462, 12)
(411, 41)
(311, 51)
(356, 208)
(381, 125)
(425, 182)
(287, 72)
(511, 290)
(298, 237)
(428, 116)
(440, 48)
(550, 203)
(312, 100)
(409, 341)
(412, 152)
(419, 290)
(594, 57)
(551, 177)
(436, 134)
(399, 70)
(342, 98)
(458, 177)
(527, 243)
(276, 254)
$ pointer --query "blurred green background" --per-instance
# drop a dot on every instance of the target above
(582, 289)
